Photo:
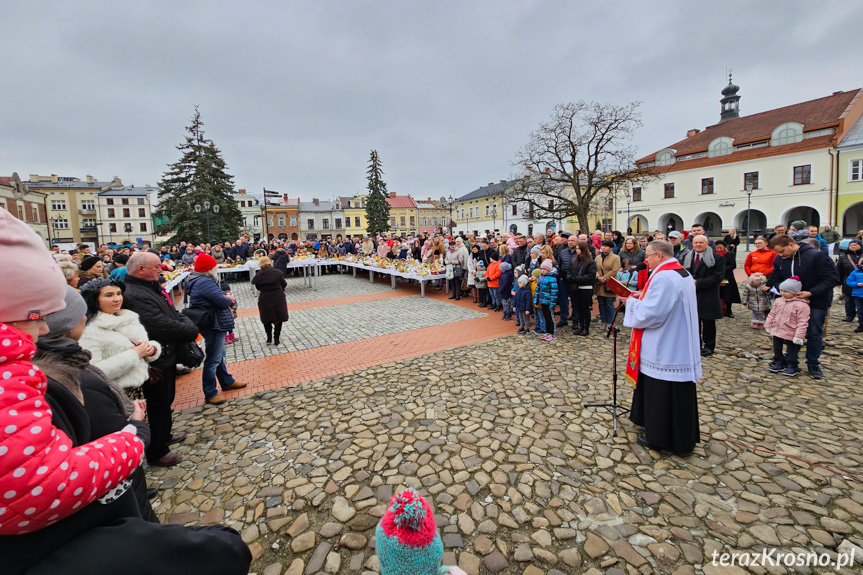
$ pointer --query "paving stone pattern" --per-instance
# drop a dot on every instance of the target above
(318, 327)
(329, 286)
(523, 479)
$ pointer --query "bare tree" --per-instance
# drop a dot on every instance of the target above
(582, 152)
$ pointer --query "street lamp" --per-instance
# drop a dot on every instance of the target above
(493, 217)
(206, 211)
(748, 212)
(628, 217)
(450, 200)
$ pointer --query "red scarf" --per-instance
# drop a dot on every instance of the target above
(633, 360)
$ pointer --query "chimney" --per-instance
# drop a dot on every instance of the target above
(548, 170)
(285, 196)
(89, 179)
(491, 183)
(34, 178)
(53, 178)
(503, 181)
(316, 201)
(241, 192)
(392, 194)
(692, 132)
(529, 168)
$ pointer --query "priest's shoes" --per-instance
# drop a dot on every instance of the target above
(642, 441)
(706, 352)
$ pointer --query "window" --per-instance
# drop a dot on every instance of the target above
(270, 222)
(486, 210)
(311, 223)
(111, 213)
(750, 178)
(787, 133)
(413, 221)
(338, 223)
(112, 228)
(88, 205)
(402, 221)
(434, 222)
(442, 221)
(126, 213)
(669, 190)
(720, 147)
(109, 201)
(142, 227)
(325, 223)
(470, 212)
(21, 213)
(140, 201)
(636, 194)
(281, 221)
(61, 224)
(393, 221)
(706, 186)
(293, 221)
(142, 213)
(665, 158)
(514, 210)
(425, 221)
(462, 213)
(856, 170)
(256, 221)
(125, 201)
(88, 222)
(35, 214)
(58, 204)
(356, 221)
(802, 174)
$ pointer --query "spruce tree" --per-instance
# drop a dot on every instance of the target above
(377, 207)
(198, 176)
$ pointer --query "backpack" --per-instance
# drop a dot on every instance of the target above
(202, 317)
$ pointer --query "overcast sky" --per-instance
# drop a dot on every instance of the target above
(296, 94)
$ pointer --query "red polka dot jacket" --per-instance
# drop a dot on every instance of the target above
(43, 477)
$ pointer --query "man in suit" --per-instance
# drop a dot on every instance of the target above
(708, 269)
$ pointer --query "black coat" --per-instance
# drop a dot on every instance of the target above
(162, 321)
(271, 301)
(281, 261)
(730, 293)
(847, 263)
(581, 274)
(707, 282)
(520, 256)
(816, 271)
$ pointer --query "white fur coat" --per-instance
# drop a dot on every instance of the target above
(110, 338)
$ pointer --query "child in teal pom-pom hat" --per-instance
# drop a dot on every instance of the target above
(408, 542)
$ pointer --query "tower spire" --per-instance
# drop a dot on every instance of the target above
(730, 101)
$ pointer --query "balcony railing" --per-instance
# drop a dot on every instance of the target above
(87, 212)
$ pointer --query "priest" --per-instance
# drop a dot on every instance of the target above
(664, 360)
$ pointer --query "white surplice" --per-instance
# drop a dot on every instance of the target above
(668, 314)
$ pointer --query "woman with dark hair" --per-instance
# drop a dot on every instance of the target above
(581, 279)
(91, 267)
(272, 306)
(416, 250)
(617, 238)
(729, 293)
(115, 337)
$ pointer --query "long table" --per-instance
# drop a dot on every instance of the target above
(394, 274)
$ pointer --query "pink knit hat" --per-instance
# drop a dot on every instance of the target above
(547, 265)
(35, 286)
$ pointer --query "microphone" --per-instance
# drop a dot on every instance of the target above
(640, 267)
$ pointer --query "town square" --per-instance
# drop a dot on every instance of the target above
(541, 288)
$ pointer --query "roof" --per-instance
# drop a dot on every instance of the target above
(426, 206)
(69, 183)
(819, 113)
(129, 191)
(854, 137)
(486, 191)
(321, 206)
(401, 201)
(345, 201)
(5, 181)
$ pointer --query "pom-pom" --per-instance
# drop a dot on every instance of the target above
(408, 510)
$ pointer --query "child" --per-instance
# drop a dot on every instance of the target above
(627, 275)
(539, 329)
(787, 323)
(479, 283)
(492, 276)
(517, 273)
(504, 290)
(226, 289)
(522, 301)
(546, 297)
(855, 281)
(756, 299)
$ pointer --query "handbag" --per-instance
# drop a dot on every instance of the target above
(202, 317)
(457, 273)
(190, 354)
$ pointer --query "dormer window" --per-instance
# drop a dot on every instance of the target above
(720, 147)
(665, 158)
(787, 133)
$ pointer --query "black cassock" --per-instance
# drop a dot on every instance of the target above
(668, 412)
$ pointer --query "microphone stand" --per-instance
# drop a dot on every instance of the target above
(614, 408)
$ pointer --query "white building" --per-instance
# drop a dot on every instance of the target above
(786, 155)
(125, 214)
(250, 207)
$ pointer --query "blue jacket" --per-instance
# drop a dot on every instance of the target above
(546, 289)
(206, 293)
(854, 278)
(522, 299)
(824, 247)
(507, 280)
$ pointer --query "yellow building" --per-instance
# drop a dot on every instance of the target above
(355, 215)
(403, 215)
(72, 205)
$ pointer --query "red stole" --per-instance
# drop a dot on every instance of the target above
(634, 358)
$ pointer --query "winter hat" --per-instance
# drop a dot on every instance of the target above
(534, 250)
(23, 256)
(65, 320)
(536, 273)
(89, 262)
(547, 265)
(520, 270)
(505, 267)
(799, 224)
(480, 264)
(96, 284)
(407, 539)
(205, 263)
(122, 258)
(799, 234)
(791, 285)
(265, 261)
(522, 280)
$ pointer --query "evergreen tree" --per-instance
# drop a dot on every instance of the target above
(199, 176)
(377, 207)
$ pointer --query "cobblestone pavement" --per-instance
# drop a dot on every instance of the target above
(329, 286)
(316, 327)
(523, 479)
